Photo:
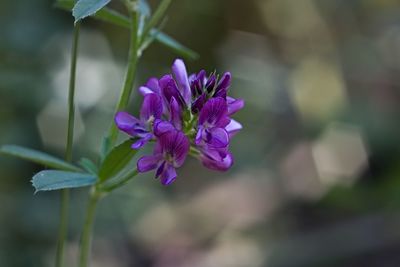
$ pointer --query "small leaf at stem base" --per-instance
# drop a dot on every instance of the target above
(84, 8)
(54, 180)
(116, 160)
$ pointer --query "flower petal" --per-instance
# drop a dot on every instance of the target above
(128, 123)
(151, 107)
(199, 134)
(219, 163)
(223, 86)
(168, 175)
(169, 89)
(176, 114)
(181, 150)
(162, 127)
(142, 141)
(150, 87)
(180, 73)
(160, 169)
(234, 105)
(210, 84)
(147, 163)
(217, 137)
(176, 144)
(214, 113)
(199, 103)
(233, 127)
(224, 82)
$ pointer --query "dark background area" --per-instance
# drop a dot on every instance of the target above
(316, 180)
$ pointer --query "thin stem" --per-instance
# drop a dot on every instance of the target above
(125, 179)
(62, 231)
(155, 19)
(87, 229)
(63, 228)
(129, 76)
(71, 94)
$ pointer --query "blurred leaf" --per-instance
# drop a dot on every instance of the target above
(116, 160)
(171, 43)
(112, 16)
(105, 14)
(88, 165)
(84, 8)
(37, 157)
(157, 16)
(105, 147)
(53, 180)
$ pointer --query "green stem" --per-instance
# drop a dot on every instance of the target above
(62, 231)
(87, 229)
(68, 151)
(129, 76)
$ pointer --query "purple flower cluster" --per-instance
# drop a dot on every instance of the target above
(184, 115)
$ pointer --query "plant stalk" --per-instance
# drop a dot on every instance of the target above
(88, 228)
(129, 76)
(63, 228)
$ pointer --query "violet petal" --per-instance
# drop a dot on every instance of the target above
(217, 137)
(150, 87)
(168, 175)
(218, 164)
(214, 113)
(180, 73)
(169, 89)
(127, 123)
(176, 114)
(233, 127)
(151, 107)
(234, 105)
(161, 127)
(142, 141)
(147, 163)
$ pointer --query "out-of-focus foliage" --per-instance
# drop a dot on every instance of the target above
(316, 180)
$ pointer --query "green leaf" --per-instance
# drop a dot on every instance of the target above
(53, 180)
(156, 18)
(105, 14)
(84, 8)
(112, 16)
(105, 147)
(173, 44)
(37, 157)
(116, 160)
(89, 165)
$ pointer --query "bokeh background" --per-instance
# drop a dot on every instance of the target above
(316, 180)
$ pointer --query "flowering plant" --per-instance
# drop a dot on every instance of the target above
(182, 115)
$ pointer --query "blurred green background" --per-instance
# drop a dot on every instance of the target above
(316, 180)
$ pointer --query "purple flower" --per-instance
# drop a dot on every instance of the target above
(234, 105)
(217, 160)
(212, 122)
(180, 73)
(233, 127)
(180, 111)
(169, 90)
(150, 111)
(170, 152)
(151, 87)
